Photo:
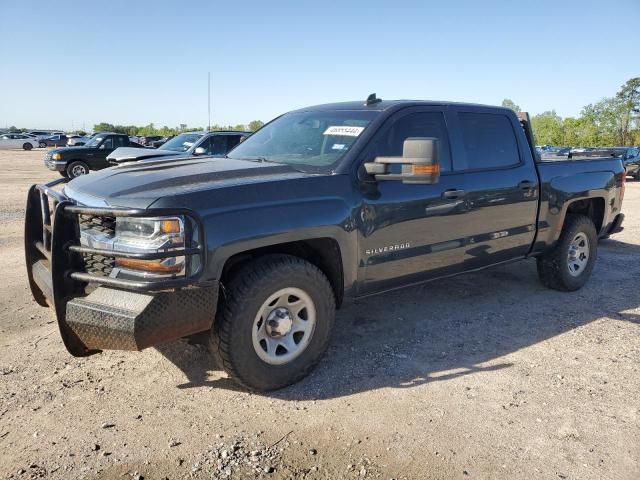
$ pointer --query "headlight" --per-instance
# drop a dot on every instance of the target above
(56, 156)
(148, 235)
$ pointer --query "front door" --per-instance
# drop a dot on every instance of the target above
(108, 145)
(410, 233)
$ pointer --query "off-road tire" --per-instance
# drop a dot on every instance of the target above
(553, 266)
(72, 165)
(231, 335)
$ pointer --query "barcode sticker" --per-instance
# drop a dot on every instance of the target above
(344, 131)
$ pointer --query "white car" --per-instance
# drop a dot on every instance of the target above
(18, 140)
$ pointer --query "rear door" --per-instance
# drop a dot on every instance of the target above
(500, 184)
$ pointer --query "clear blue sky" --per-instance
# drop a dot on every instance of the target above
(135, 62)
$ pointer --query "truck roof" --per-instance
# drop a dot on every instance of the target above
(382, 105)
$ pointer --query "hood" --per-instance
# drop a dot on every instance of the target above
(65, 151)
(138, 185)
(128, 154)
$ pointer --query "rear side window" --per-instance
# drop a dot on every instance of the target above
(489, 141)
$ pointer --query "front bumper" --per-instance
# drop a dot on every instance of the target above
(55, 165)
(120, 314)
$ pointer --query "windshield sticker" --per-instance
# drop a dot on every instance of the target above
(338, 146)
(344, 131)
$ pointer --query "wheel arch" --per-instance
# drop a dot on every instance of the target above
(323, 252)
(593, 208)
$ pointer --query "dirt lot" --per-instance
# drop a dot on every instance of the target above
(487, 375)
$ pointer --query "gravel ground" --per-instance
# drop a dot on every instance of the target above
(487, 375)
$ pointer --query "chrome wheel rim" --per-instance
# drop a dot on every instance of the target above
(578, 256)
(284, 326)
(78, 170)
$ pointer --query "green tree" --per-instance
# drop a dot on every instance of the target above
(508, 103)
(103, 127)
(547, 128)
(255, 125)
(629, 98)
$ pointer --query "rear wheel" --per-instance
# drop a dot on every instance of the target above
(275, 322)
(43, 145)
(569, 264)
(27, 146)
(76, 169)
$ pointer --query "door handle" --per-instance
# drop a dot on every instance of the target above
(526, 185)
(452, 194)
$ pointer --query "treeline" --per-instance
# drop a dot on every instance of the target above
(613, 121)
(165, 131)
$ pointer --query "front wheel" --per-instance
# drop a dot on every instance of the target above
(568, 265)
(275, 322)
(43, 145)
(76, 169)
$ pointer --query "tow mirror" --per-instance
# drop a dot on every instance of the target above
(200, 151)
(419, 163)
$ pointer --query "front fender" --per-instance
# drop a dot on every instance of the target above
(258, 226)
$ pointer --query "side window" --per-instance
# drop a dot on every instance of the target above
(108, 143)
(232, 141)
(119, 142)
(489, 141)
(218, 145)
(390, 140)
(206, 144)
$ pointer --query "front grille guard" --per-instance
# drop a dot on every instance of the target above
(54, 256)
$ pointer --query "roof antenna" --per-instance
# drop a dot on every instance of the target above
(372, 100)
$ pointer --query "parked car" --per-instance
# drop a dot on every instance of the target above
(323, 203)
(40, 135)
(630, 157)
(146, 141)
(162, 141)
(18, 140)
(55, 141)
(75, 161)
(77, 140)
(185, 145)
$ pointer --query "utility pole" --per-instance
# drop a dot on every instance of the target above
(208, 101)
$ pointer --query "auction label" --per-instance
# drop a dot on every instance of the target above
(344, 131)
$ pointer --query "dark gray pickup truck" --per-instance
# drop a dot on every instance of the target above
(72, 162)
(324, 203)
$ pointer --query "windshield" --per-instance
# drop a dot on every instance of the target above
(312, 139)
(94, 141)
(182, 142)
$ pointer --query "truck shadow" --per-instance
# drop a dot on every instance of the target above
(448, 328)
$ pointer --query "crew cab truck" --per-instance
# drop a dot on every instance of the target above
(324, 203)
(74, 161)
